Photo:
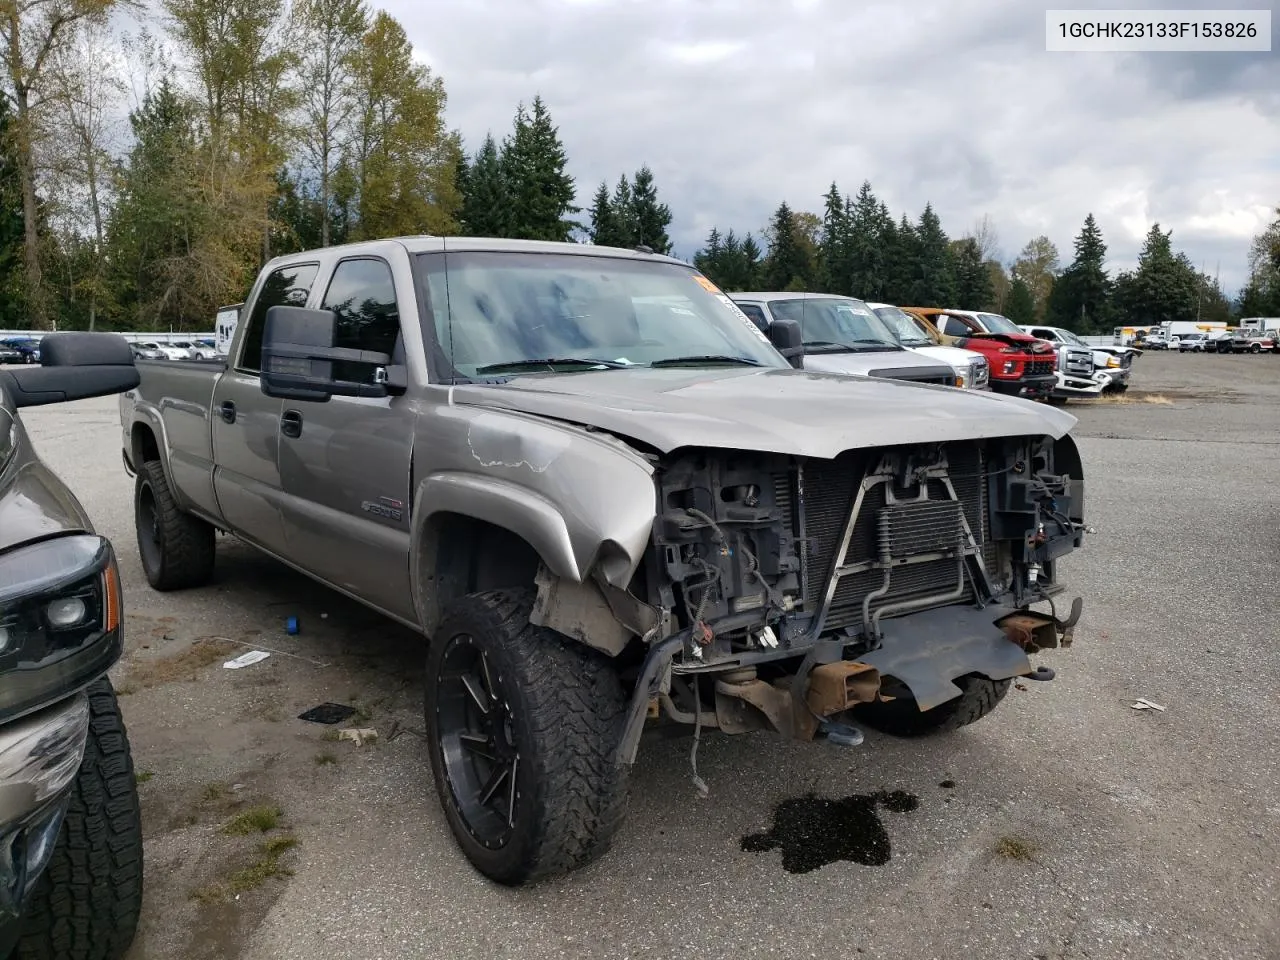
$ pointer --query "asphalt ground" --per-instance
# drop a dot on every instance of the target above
(1071, 825)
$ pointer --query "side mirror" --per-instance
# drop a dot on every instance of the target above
(786, 337)
(74, 366)
(298, 359)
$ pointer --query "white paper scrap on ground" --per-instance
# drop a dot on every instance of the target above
(246, 659)
(1143, 704)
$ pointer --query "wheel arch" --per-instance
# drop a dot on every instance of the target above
(474, 533)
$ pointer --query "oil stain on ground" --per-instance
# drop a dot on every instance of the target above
(814, 831)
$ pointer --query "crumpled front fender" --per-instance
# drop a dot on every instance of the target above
(584, 501)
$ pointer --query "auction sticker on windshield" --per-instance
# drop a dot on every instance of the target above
(724, 298)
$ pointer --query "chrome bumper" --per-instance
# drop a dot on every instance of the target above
(40, 756)
(1071, 386)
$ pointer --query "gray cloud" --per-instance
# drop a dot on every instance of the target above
(739, 105)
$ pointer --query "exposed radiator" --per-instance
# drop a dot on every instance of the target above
(903, 530)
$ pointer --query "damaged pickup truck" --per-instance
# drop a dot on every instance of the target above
(607, 497)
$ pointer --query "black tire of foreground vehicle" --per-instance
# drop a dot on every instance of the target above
(86, 904)
(177, 549)
(902, 718)
(503, 694)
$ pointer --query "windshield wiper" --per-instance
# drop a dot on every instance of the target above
(708, 358)
(850, 345)
(550, 362)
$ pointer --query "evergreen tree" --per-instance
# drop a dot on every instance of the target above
(749, 278)
(540, 191)
(710, 259)
(603, 230)
(868, 232)
(788, 266)
(11, 227)
(972, 279)
(650, 217)
(833, 267)
(1081, 298)
(901, 259)
(1021, 306)
(485, 210)
(626, 230)
(933, 271)
(1164, 287)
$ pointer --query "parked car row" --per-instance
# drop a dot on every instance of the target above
(174, 350)
(20, 350)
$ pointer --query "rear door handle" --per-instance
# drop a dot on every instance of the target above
(291, 423)
(227, 411)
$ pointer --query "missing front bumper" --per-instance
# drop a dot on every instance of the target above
(925, 652)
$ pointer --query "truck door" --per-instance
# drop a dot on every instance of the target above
(344, 463)
(246, 422)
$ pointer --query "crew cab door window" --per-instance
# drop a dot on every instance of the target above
(287, 287)
(363, 295)
(1045, 335)
(954, 327)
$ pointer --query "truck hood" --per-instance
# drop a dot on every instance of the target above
(787, 411)
(976, 341)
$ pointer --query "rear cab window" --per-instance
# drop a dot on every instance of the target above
(287, 286)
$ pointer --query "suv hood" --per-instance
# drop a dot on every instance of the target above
(1024, 340)
(788, 411)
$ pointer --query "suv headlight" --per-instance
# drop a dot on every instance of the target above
(59, 619)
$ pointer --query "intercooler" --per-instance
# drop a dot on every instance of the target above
(820, 500)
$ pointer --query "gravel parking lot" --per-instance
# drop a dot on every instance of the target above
(1066, 825)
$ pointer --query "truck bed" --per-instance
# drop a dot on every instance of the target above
(174, 397)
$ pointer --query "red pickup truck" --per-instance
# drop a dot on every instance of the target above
(1021, 365)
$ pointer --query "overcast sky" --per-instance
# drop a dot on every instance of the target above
(739, 104)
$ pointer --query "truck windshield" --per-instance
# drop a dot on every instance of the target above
(552, 313)
(835, 324)
(908, 331)
(998, 324)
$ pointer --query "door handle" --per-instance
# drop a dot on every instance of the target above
(227, 411)
(291, 423)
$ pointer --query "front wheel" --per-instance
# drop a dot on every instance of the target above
(901, 717)
(523, 728)
(1256, 348)
(86, 904)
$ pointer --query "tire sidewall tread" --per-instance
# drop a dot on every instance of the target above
(569, 711)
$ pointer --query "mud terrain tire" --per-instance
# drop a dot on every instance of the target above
(85, 905)
(553, 705)
(176, 548)
(902, 718)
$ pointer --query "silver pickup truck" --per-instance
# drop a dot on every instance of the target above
(606, 497)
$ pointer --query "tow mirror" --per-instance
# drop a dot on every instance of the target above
(786, 337)
(73, 366)
(300, 362)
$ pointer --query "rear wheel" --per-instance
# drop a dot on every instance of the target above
(85, 905)
(1255, 348)
(523, 727)
(177, 549)
(902, 717)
